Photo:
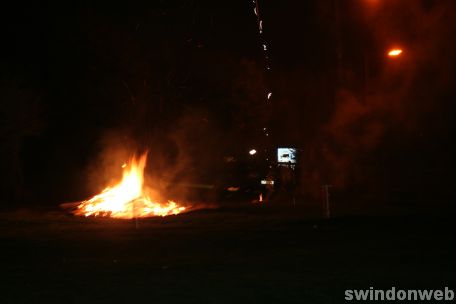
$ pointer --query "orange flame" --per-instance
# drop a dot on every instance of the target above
(127, 199)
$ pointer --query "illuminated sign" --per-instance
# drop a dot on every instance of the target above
(286, 155)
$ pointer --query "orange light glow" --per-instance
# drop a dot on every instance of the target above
(127, 199)
(394, 52)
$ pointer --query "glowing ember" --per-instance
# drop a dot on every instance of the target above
(127, 199)
(394, 52)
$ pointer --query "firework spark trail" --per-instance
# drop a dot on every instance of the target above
(264, 45)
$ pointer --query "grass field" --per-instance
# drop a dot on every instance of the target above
(229, 255)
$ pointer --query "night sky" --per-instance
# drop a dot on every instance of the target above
(186, 80)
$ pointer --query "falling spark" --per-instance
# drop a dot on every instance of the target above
(265, 53)
(252, 152)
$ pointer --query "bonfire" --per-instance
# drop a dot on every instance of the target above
(128, 198)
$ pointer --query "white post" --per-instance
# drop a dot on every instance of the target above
(327, 205)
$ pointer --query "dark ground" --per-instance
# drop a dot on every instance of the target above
(236, 255)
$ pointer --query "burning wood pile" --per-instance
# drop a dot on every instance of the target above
(127, 199)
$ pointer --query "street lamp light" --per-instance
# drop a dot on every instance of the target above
(394, 52)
